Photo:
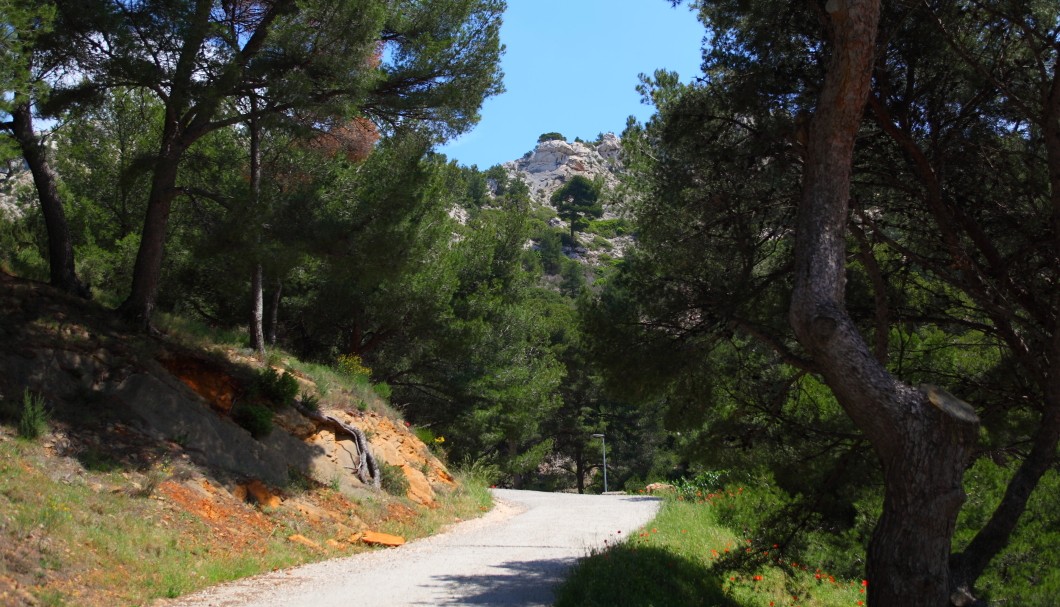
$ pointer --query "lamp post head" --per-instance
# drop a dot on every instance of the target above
(598, 436)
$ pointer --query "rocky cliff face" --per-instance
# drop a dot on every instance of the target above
(552, 163)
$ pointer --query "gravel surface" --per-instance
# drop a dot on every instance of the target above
(513, 556)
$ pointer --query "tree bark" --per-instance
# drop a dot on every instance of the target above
(274, 313)
(923, 439)
(257, 287)
(257, 310)
(579, 469)
(147, 272)
(62, 273)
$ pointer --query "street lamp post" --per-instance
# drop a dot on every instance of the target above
(603, 448)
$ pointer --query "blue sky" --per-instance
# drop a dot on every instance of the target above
(571, 66)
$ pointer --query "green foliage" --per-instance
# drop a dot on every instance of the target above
(704, 483)
(550, 249)
(33, 419)
(1027, 571)
(610, 228)
(382, 390)
(624, 575)
(254, 418)
(426, 435)
(393, 480)
(577, 203)
(680, 558)
(310, 401)
(278, 389)
(553, 136)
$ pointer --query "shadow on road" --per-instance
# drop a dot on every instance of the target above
(512, 584)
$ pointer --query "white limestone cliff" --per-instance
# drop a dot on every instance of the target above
(552, 163)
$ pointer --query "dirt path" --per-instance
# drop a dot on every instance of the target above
(513, 556)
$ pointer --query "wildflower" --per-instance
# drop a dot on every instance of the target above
(758, 578)
(864, 582)
(440, 440)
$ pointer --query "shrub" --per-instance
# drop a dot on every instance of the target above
(33, 420)
(382, 389)
(393, 480)
(426, 435)
(610, 228)
(279, 389)
(705, 482)
(310, 402)
(352, 366)
(553, 136)
(254, 418)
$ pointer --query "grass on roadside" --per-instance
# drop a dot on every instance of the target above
(671, 562)
(80, 537)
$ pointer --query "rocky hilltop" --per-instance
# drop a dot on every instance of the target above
(554, 162)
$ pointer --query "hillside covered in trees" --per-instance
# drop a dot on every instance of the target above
(829, 266)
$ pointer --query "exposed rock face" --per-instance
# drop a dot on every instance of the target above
(80, 353)
(396, 445)
(553, 163)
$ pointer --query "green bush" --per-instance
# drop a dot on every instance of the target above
(610, 228)
(382, 389)
(277, 388)
(553, 136)
(33, 420)
(426, 435)
(393, 480)
(255, 418)
(310, 401)
(706, 482)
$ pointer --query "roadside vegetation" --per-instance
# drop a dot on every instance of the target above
(721, 543)
(95, 533)
(306, 216)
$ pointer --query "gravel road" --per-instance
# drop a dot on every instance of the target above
(512, 556)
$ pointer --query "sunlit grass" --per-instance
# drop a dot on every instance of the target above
(95, 535)
(674, 561)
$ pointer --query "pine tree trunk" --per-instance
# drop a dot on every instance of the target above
(257, 315)
(60, 248)
(923, 438)
(257, 287)
(274, 313)
(147, 272)
(579, 470)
